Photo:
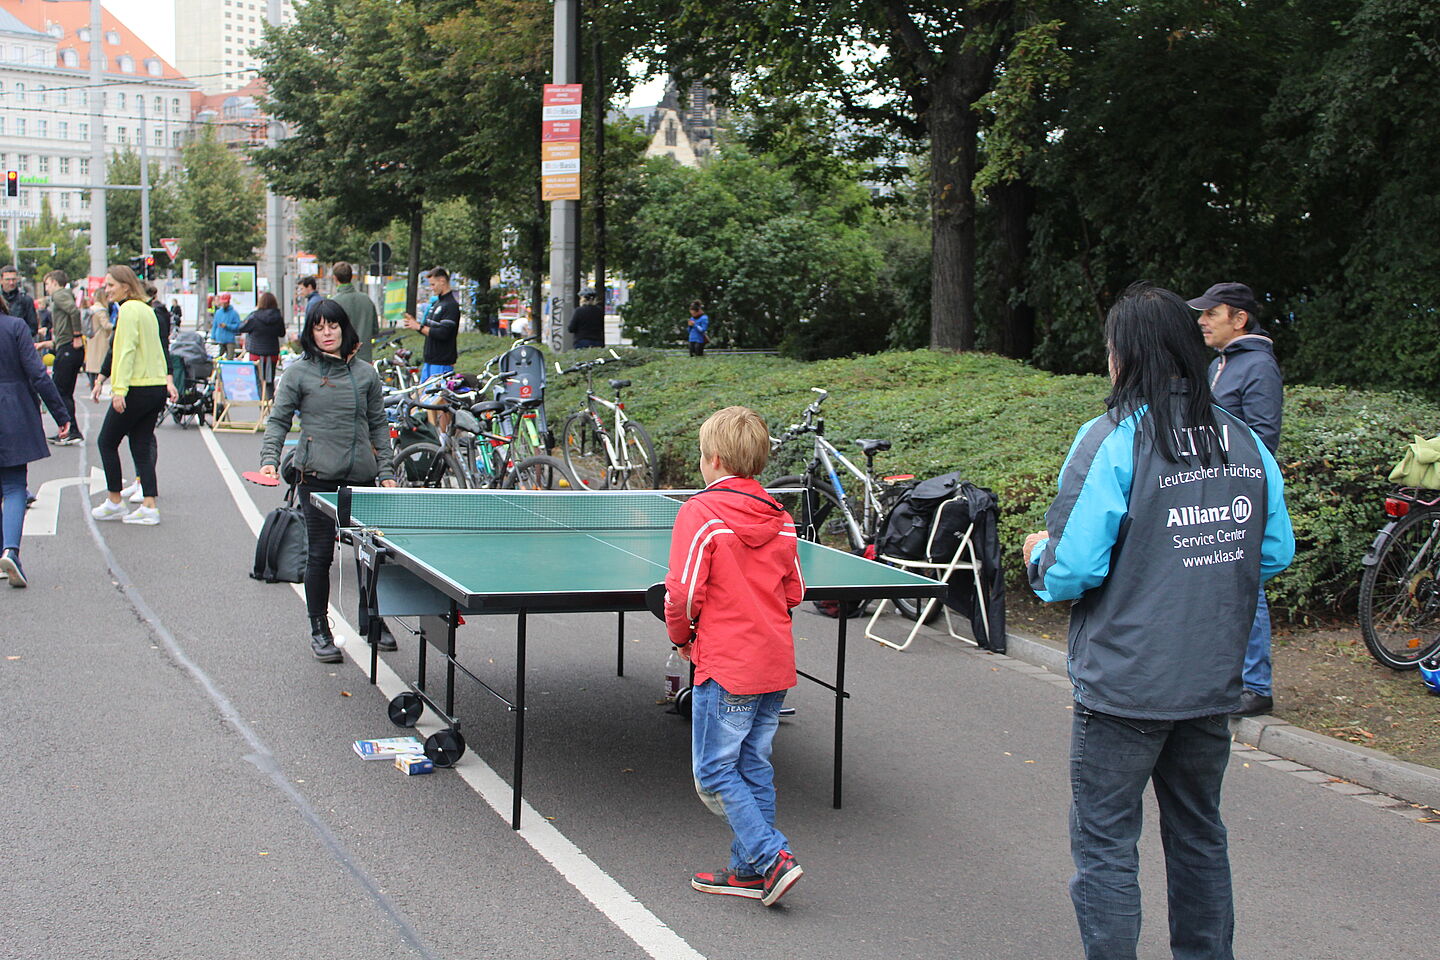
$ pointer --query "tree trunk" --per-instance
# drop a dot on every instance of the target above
(538, 264)
(953, 127)
(412, 285)
(1014, 202)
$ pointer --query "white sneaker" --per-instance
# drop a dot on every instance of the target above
(131, 492)
(108, 510)
(148, 516)
(137, 497)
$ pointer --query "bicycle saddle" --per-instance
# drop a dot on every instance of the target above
(619, 384)
(487, 406)
(872, 447)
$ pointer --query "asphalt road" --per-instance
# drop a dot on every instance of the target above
(179, 783)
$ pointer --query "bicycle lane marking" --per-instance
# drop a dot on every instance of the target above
(261, 756)
(604, 892)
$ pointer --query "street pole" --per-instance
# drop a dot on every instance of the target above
(275, 204)
(98, 244)
(144, 185)
(565, 214)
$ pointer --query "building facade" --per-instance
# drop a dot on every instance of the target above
(46, 104)
(214, 39)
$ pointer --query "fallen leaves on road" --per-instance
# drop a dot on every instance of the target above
(345, 693)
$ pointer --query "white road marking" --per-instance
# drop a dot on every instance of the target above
(43, 518)
(617, 904)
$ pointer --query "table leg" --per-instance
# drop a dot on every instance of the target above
(620, 647)
(421, 657)
(450, 659)
(839, 705)
(372, 619)
(517, 777)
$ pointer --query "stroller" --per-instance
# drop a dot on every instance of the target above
(193, 369)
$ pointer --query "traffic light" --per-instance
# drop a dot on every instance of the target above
(12, 183)
(150, 267)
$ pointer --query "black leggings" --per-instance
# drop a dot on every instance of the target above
(143, 406)
(69, 361)
(320, 540)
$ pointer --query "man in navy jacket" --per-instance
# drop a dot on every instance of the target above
(1246, 381)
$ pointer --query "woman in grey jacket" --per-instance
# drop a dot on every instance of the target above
(344, 440)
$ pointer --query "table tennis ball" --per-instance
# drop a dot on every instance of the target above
(49, 359)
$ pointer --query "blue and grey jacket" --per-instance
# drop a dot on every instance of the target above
(1246, 380)
(1163, 561)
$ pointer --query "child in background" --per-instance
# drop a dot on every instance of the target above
(734, 577)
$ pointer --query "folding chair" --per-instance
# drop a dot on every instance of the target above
(964, 558)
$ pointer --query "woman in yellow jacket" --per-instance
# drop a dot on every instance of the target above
(138, 397)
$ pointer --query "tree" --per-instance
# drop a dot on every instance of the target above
(71, 245)
(222, 206)
(911, 71)
(766, 257)
(122, 207)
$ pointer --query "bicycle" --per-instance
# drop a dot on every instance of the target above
(396, 369)
(621, 456)
(824, 511)
(1400, 585)
(464, 454)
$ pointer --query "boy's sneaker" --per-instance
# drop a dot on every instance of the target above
(108, 510)
(146, 516)
(729, 883)
(780, 877)
(10, 567)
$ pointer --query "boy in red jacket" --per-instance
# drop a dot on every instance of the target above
(734, 576)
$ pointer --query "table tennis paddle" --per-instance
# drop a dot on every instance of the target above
(655, 600)
(264, 480)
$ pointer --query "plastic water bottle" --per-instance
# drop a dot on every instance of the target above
(675, 674)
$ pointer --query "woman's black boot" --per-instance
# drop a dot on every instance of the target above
(322, 643)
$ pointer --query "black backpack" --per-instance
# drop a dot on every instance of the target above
(907, 526)
(281, 550)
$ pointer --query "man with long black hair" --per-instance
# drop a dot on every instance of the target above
(1170, 513)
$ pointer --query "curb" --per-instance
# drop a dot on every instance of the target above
(1369, 768)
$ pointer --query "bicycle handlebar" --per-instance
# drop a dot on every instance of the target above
(584, 365)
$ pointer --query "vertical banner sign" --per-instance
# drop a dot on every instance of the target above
(560, 142)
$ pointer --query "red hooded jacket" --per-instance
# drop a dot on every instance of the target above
(734, 574)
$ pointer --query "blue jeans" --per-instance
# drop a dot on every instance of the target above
(731, 735)
(1111, 760)
(1256, 675)
(12, 506)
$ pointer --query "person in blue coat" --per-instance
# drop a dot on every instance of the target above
(226, 324)
(22, 437)
(699, 326)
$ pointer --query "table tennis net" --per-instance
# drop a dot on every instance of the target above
(485, 511)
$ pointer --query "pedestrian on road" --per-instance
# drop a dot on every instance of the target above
(734, 578)
(1170, 513)
(175, 313)
(23, 384)
(344, 439)
(97, 343)
(140, 386)
(309, 296)
(15, 301)
(698, 325)
(68, 344)
(225, 325)
(1246, 381)
(358, 307)
(263, 330)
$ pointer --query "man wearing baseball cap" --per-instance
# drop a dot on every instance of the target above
(1246, 381)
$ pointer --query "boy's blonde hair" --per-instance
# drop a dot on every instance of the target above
(739, 438)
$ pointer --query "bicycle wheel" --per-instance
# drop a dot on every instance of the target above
(584, 453)
(540, 473)
(643, 472)
(425, 464)
(1400, 595)
(816, 513)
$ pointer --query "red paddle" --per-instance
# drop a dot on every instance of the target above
(264, 480)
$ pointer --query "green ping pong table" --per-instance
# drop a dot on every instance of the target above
(450, 553)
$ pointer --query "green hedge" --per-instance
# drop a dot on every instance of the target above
(1008, 427)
